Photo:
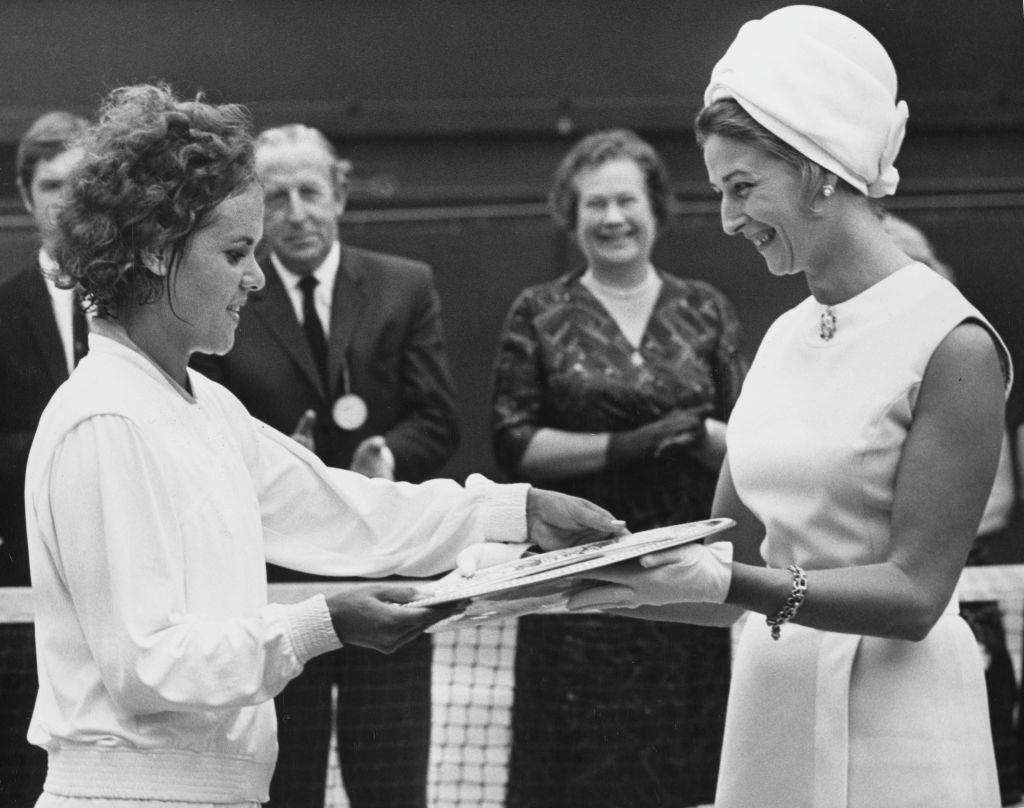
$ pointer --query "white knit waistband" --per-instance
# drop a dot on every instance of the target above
(158, 774)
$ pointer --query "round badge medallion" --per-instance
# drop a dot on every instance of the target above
(349, 412)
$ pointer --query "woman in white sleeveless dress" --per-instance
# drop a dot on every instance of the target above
(860, 453)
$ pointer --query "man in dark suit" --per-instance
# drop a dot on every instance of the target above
(41, 337)
(344, 350)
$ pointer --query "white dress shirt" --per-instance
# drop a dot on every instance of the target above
(324, 291)
(62, 301)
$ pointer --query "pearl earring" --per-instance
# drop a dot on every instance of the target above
(828, 190)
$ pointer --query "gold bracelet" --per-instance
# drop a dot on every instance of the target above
(793, 602)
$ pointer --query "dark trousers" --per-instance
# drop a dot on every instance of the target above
(383, 725)
(22, 766)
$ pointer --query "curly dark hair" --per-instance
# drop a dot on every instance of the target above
(597, 149)
(155, 167)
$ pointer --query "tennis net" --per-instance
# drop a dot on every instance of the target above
(473, 688)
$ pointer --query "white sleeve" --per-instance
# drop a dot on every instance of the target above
(335, 522)
(116, 556)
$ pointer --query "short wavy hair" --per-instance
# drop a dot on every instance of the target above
(155, 167)
(727, 118)
(595, 150)
(49, 135)
(298, 134)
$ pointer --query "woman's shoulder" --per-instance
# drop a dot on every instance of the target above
(698, 294)
(692, 287)
(210, 393)
(104, 389)
(548, 293)
(947, 306)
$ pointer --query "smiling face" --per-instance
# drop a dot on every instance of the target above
(303, 203)
(214, 277)
(763, 199)
(615, 226)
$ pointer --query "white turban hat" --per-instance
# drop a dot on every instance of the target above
(821, 83)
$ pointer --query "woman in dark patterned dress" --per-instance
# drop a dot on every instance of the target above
(614, 383)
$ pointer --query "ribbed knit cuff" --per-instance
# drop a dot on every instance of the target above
(506, 509)
(310, 628)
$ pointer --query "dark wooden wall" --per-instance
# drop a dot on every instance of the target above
(455, 113)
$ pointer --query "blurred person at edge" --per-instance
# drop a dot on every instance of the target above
(42, 336)
(860, 453)
(154, 500)
(984, 617)
(614, 382)
(381, 404)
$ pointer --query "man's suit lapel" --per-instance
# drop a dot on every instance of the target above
(274, 307)
(346, 307)
(41, 325)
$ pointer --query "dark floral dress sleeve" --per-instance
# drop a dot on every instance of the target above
(729, 365)
(518, 386)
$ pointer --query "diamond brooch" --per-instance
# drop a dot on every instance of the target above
(827, 325)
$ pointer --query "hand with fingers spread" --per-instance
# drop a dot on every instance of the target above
(303, 432)
(690, 573)
(372, 616)
(680, 429)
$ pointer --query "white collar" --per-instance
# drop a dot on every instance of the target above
(650, 282)
(325, 273)
(50, 268)
(46, 262)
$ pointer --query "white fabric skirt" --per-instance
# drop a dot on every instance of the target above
(823, 720)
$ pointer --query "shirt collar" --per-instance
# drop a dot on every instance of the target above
(325, 273)
(49, 268)
(46, 262)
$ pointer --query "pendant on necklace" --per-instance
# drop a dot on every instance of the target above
(827, 326)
